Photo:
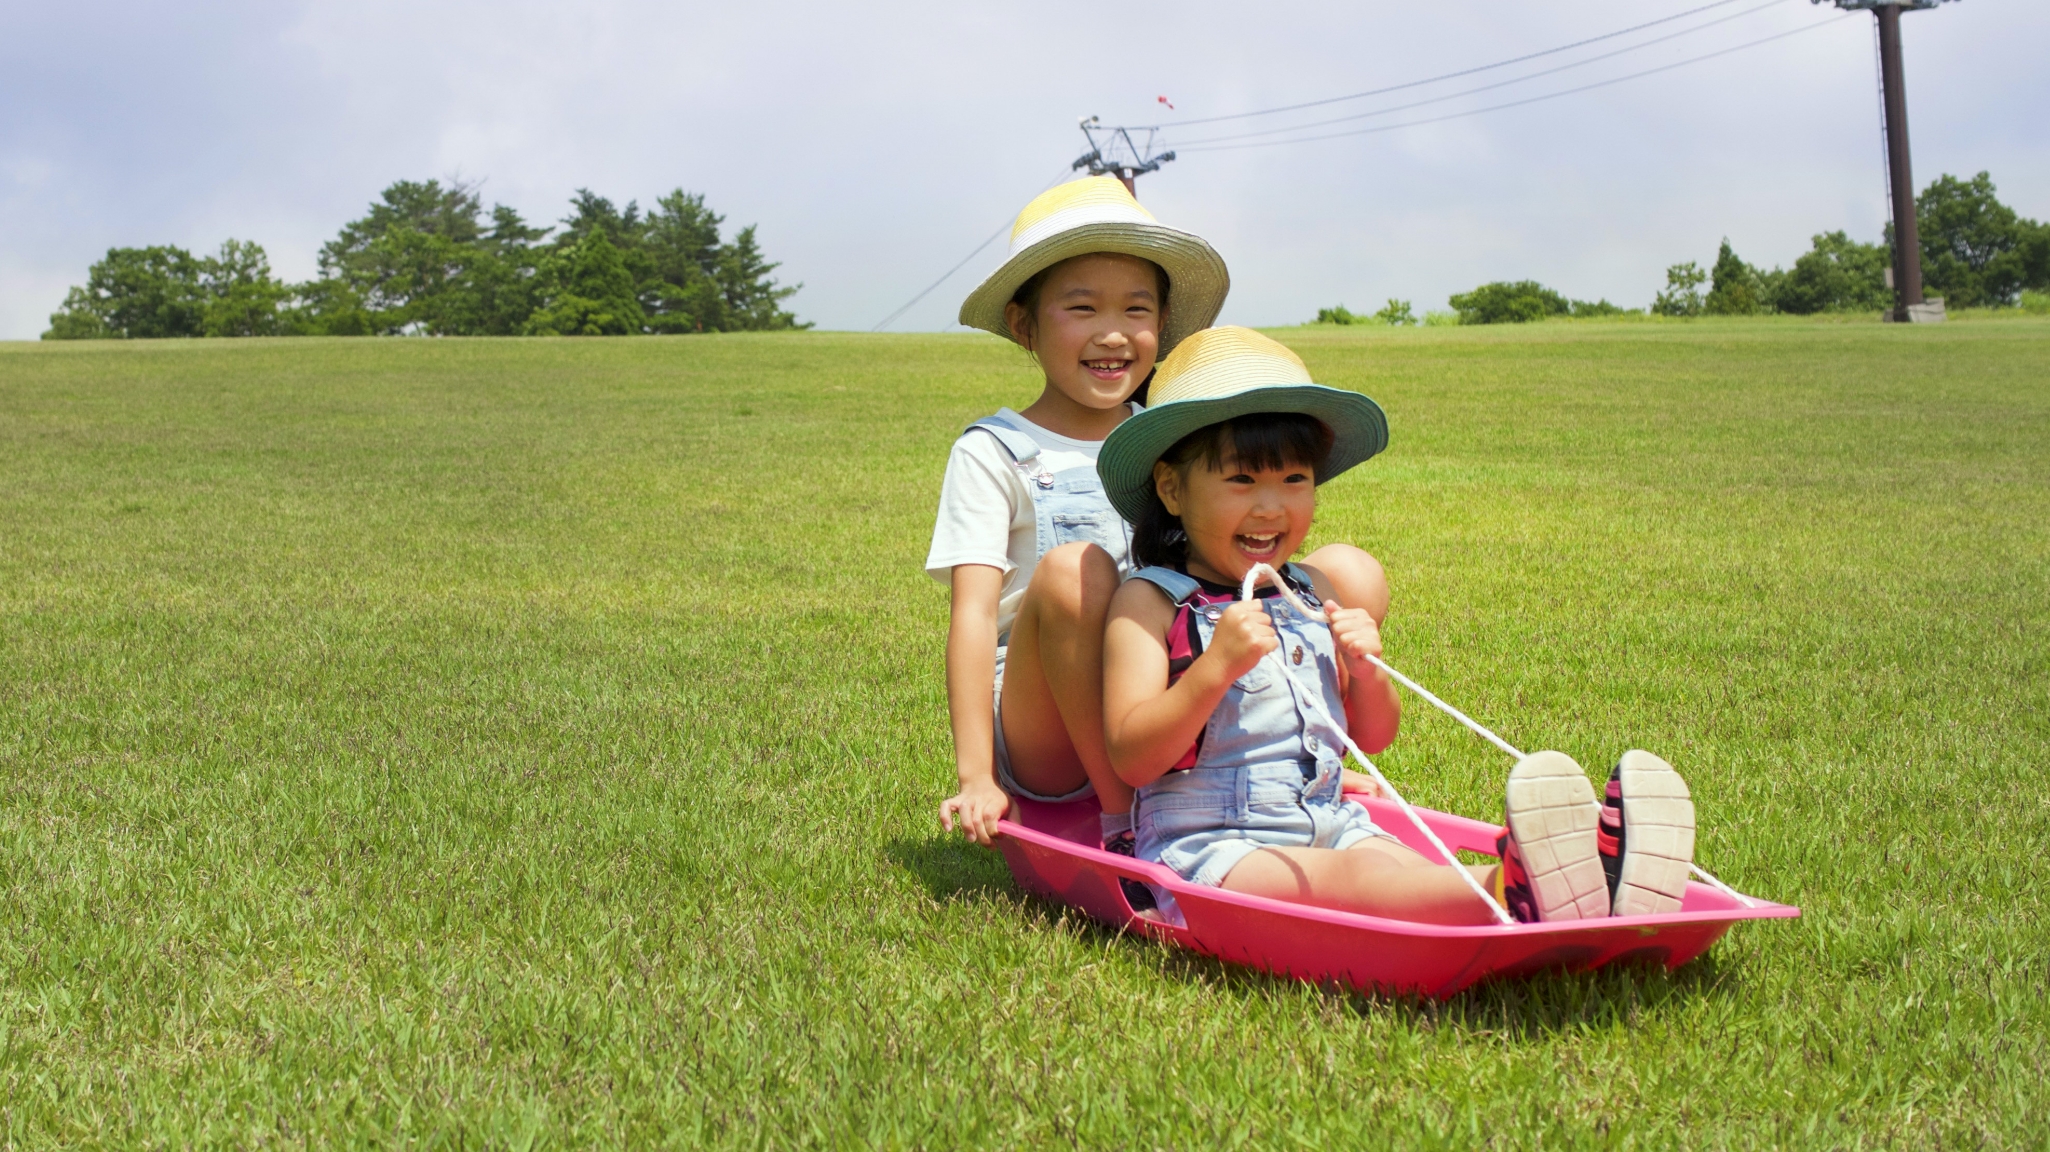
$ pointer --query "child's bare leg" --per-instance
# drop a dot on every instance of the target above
(1053, 678)
(1355, 575)
(1380, 877)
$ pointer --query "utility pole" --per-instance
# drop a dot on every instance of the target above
(1909, 306)
(1113, 153)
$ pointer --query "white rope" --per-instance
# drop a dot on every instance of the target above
(1721, 887)
(1246, 592)
(1448, 709)
(1316, 701)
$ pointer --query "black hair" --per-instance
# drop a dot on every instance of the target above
(1027, 295)
(1257, 442)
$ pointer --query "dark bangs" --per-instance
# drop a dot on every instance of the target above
(1260, 442)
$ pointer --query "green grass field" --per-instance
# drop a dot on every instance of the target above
(519, 743)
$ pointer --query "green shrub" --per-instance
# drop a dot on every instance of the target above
(1440, 319)
(1977, 251)
(1396, 313)
(1582, 308)
(1682, 296)
(1837, 274)
(2036, 303)
(1337, 315)
(1510, 302)
(165, 291)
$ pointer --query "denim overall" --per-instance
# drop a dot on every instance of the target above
(1068, 507)
(1267, 772)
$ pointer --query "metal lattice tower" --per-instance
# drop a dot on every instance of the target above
(1112, 152)
(1909, 304)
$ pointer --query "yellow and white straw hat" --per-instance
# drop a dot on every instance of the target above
(1215, 375)
(1097, 214)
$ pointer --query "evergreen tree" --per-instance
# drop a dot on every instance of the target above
(493, 293)
(422, 261)
(685, 253)
(404, 252)
(586, 290)
(753, 299)
(1735, 288)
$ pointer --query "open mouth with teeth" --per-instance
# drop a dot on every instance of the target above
(1260, 546)
(1106, 369)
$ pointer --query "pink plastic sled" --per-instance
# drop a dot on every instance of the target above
(1054, 851)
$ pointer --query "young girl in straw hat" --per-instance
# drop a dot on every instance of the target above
(1094, 289)
(1225, 715)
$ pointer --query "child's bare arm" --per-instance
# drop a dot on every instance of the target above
(971, 684)
(1147, 724)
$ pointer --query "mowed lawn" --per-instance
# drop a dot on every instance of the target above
(535, 743)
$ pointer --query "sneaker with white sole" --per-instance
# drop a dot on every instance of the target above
(1551, 861)
(1647, 836)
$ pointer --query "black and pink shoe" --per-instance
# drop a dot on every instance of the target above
(1646, 836)
(1138, 895)
(1551, 862)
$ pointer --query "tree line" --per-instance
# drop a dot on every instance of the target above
(1976, 253)
(427, 259)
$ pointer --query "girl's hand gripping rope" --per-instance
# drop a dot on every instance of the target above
(1243, 637)
(1358, 639)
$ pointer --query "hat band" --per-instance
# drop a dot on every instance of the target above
(1076, 217)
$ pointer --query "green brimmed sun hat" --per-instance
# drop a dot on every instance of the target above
(1097, 214)
(1220, 373)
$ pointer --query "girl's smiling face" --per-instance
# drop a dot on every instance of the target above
(1096, 327)
(1237, 517)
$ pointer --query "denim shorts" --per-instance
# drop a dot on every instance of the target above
(1005, 780)
(1202, 821)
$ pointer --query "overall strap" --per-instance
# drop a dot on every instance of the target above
(1179, 586)
(1304, 586)
(1023, 448)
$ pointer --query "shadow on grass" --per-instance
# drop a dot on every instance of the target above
(1530, 1008)
(955, 869)
(1534, 1008)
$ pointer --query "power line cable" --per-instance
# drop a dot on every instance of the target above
(1488, 87)
(1458, 74)
(886, 321)
(1519, 103)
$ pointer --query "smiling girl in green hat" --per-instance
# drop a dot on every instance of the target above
(1232, 716)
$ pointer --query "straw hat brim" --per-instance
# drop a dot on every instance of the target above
(1196, 276)
(1358, 426)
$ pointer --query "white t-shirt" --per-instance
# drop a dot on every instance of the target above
(985, 512)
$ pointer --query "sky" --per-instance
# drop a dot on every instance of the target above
(876, 145)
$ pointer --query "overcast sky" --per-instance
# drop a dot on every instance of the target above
(875, 145)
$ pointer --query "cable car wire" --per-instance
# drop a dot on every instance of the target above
(1454, 75)
(1485, 87)
(1519, 103)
